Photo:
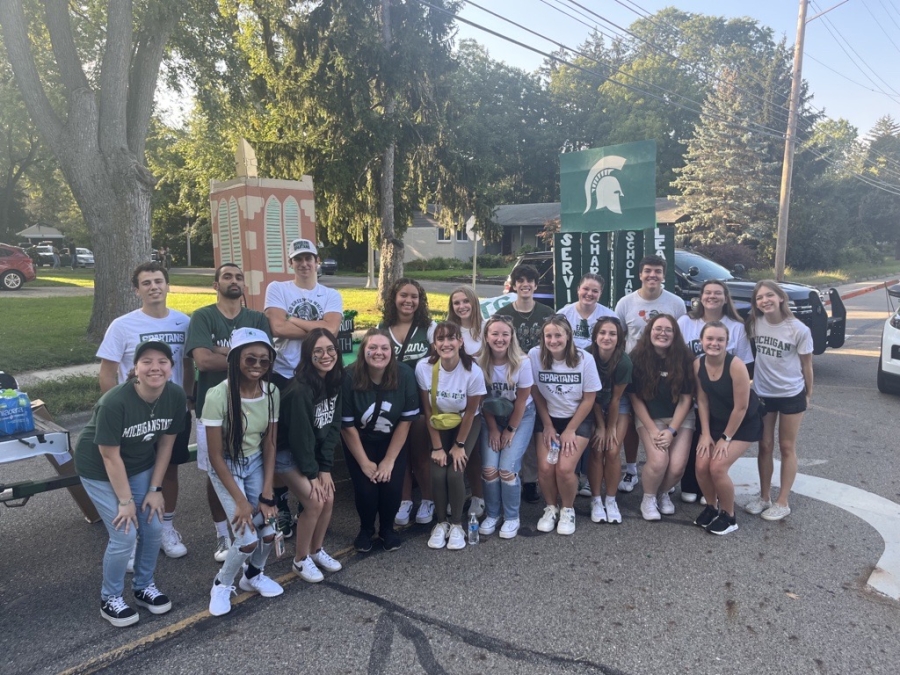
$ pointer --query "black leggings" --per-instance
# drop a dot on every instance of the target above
(448, 484)
(381, 499)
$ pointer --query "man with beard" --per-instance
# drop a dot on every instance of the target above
(208, 342)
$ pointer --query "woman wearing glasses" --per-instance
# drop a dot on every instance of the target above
(240, 416)
(567, 383)
(661, 394)
(310, 428)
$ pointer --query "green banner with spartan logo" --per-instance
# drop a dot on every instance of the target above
(574, 255)
(608, 189)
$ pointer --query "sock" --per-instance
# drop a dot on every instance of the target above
(631, 468)
(222, 528)
(281, 497)
(167, 521)
(610, 500)
(251, 571)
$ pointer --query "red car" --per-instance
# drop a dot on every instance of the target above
(16, 267)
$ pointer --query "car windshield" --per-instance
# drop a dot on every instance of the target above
(707, 268)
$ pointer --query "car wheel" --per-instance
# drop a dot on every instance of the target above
(881, 380)
(11, 281)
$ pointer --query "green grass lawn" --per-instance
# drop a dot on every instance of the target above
(68, 395)
(446, 275)
(843, 275)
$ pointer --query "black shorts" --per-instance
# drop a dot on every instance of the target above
(789, 405)
(585, 429)
(181, 454)
(749, 431)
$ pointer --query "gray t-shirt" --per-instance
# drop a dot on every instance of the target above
(634, 312)
(778, 372)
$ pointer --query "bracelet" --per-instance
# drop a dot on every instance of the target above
(267, 502)
(128, 501)
(674, 432)
(436, 449)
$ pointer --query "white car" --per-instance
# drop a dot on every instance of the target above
(889, 361)
(84, 257)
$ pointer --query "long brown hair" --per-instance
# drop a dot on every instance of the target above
(757, 313)
(678, 362)
(727, 309)
(362, 381)
(477, 321)
(452, 330)
(572, 357)
(607, 370)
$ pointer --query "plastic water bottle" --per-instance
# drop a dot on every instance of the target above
(553, 455)
(473, 529)
(26, 419)
(9, 404)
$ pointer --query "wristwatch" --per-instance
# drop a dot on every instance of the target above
(673, 431)
(155, 488)
(460, 444)
(510, 428)
(725, 438)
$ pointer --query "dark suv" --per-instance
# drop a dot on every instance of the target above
(692, 269)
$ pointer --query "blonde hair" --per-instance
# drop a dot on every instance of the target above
(469, 292)
(515, 357)
(757, 313)
(572, 357)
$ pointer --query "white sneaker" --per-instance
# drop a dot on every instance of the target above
(757, 505)
(223, 545)
(220, 599)
(649, 509)
(426, 512)
(584, 487)
(666, 507)
(510, 529)
(265, 586)
(598, 513)
(476, 506)
(129, 569)
(613, 515)
(689, 497)
(306, 569)
(629, 482)
(402, 517)
(439, 534)
(326, 562)
(548, 521)
(488, 526)
(566, 523)
(776, 512)
(171, 543)
(457, 539)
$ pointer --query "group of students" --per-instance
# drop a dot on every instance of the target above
(527, 396)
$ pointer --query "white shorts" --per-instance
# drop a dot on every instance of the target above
(202, 448)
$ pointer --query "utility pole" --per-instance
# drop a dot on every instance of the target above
(784, 204)
(790, 141)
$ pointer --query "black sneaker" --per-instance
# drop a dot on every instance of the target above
(363, 541)
(391, 541)
(530, 493)
(153, 599)
(723, 524)
(117, 612)
(706, 517)
(285, 523)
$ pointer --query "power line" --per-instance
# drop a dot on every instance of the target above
(886, 34)
(886, 11)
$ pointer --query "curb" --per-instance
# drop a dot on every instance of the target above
(863, 291)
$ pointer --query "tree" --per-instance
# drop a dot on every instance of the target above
(107, 79)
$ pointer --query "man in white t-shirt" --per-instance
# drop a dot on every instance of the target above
(634, 311)
(293, 309)
(153, 321)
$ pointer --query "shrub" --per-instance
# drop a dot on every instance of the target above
(527, 248)
(436, 263)
(861, 254)
(730, 255)
(493, 260)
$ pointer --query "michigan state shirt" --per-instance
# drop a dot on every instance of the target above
(581, 327)
(562, 386)
(129, 330)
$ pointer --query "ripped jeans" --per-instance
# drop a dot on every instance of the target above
(508, 460)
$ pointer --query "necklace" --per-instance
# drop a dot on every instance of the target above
(148, 404)
(522, 314)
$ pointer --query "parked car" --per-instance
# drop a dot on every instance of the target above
(692, 269)
(888, 378)
(44, 254)
(84, 257)
(16, 267)
(329, 266)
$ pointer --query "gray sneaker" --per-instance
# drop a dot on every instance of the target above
(757, 505)
(776, 512)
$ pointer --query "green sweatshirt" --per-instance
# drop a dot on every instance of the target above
(309, 429)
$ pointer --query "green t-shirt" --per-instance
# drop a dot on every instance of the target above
(209, 328)
(255, 412)
(661, 405)
(123, 418)
(621, 376)
(416, 347)
(398, 405)
(527, 326)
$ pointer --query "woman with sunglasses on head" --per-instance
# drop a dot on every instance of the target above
(728, 412)
(451, 386)
(380, 401)
(508, 414)
(411, 330)
(783, 379)
(310, 428)
(612, 415)
(662, 390)
(714, 304)
(121, 457)
(584, 313)
(567, 385)
(240, 416)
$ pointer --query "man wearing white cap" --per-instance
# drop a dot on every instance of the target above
(294, 308)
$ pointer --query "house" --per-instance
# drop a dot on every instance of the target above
(426, 239)
(522, 223)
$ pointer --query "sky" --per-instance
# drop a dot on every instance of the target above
(866, 32)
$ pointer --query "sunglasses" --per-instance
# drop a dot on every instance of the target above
(252, 361)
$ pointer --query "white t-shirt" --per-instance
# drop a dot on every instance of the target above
(454, 388)
(562, 387)
(634, 312)
(581, 327)
(471, 343)
(129, 330)
(521, 379)
(778, 372)
(309, 305)
(738, 344)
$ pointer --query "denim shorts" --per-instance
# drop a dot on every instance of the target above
(663, 422)
(624, 406)
(248, 474)
(284, 462)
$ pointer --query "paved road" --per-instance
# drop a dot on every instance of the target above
(640, 597)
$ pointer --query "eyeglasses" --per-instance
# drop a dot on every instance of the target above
(330, 351)
(252, 361)
(663, 331)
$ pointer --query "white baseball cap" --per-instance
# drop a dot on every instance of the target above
(247, 336)
(301, 246)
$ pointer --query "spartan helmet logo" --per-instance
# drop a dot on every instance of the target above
(601, 182)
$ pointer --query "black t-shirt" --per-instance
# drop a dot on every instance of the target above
(397, 405)
(661, 405)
